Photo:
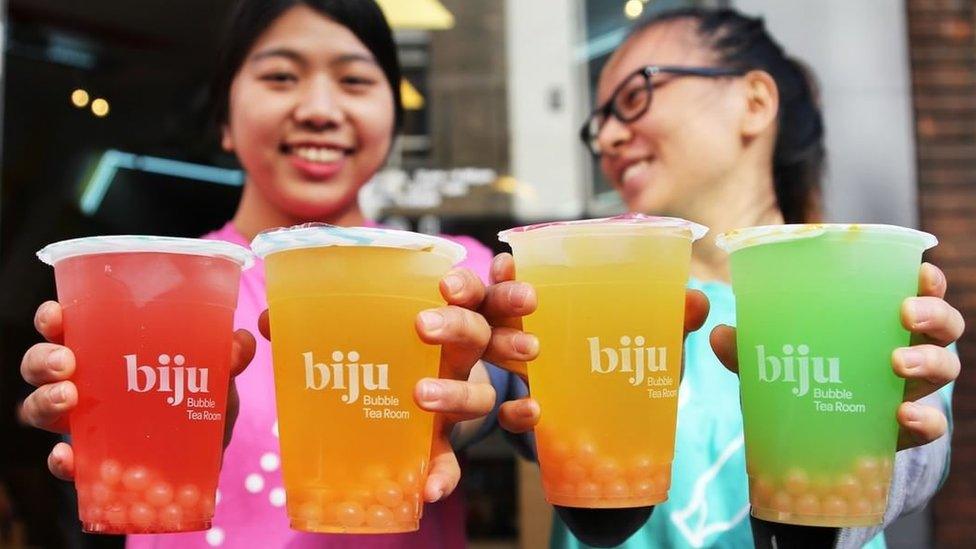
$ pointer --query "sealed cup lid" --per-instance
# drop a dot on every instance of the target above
(738, 239)
(621, 221)
(316, 235)
(52, 253)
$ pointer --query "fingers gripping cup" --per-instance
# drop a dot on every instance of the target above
(818, 314)
(609, 321)
(150, 322)
(343, 304)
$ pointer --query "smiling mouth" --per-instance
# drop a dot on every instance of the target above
(633, 171)
(316, 154)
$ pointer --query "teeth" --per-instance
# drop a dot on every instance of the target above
(633, 169)
(318, 154)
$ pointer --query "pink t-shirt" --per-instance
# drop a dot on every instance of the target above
(250, 495)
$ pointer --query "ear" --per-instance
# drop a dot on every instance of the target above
(226, 139)
(762, 103)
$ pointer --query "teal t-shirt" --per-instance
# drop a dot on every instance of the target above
(708, 504)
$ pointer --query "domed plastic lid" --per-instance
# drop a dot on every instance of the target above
(695, 230)
(52, 253)
(738, 239)
(316, 235)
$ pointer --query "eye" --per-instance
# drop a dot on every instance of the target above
(279, 77)
(357, 81)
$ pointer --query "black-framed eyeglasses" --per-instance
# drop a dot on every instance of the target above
(631, 99)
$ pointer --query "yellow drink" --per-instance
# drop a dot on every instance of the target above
(609, 323)
(354, 445)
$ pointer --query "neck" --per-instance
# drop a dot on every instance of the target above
(733, 207)
(255, 214)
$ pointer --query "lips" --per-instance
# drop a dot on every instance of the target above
(316, 161)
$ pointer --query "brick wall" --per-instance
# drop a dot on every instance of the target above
(943, 60)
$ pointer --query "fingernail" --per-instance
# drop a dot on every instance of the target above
(438, 494)
(921, 311)
(519, 295)
(912, 412)
(526, 344)
(453, 283)
(432, 320)
(431, 391)
(55, 360)
(912, 358)
(58, 394)
(57, 454)
(527, 409)
(496, 267)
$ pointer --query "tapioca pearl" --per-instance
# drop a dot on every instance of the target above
(361, 494)
(405, 512)
(207, 506)
(379, 516)
(606, 470)
(171, 515)
(388, 493)
(860, 506)
(350, 514)
(91, 513)
(662, 478)
(876, 491)
(849, 487)
(645, 488)
(868, 469)
(573, 471)
(136, 478)
(806, 504)
(835, 506)
(101, 493)
(410, 480)
(188, 496)
(556, 450)
(115, 514)
(130, 497)
(616, 489)
(796, 482)
(640, 467)
(159, 494)
(588, 489)
(782, 501)
(311, 511)
(761, 490)
(585, 453)
(563, 488)
(377, 472)
(142, 515)
(110, 472)
(879, 505)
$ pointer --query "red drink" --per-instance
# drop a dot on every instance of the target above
(151, 332)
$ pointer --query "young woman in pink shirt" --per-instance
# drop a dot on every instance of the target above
(307, 98)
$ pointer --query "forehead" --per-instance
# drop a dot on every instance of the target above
(303, 29)
(667, 43)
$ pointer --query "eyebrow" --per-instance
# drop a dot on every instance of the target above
(296, 57)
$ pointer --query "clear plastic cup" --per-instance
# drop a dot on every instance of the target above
(343, 304)
(818, 315)
(150, 322)
(609, 321)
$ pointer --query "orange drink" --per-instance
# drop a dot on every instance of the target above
(609, 323)
(343, 303)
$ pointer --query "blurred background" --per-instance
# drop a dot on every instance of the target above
(102, 133)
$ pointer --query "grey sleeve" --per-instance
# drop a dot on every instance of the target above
(917, 476)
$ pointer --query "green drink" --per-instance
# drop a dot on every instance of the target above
(818, 314)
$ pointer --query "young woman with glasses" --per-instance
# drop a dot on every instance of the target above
(702, 115)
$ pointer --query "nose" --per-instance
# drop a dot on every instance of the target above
(319, 106)
(612, 136)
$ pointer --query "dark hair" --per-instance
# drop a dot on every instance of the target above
(742, 42)
(250, 18)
